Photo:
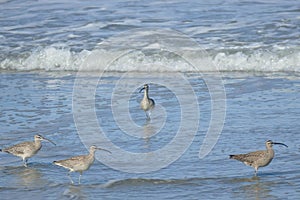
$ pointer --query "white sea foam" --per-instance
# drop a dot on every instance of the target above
(245, 36)
(63, 59)
(259, 61)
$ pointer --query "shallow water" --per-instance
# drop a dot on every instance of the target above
(258, 107)
(166, 44)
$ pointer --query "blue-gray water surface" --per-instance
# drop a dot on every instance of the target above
(228, 68)
(258, 107)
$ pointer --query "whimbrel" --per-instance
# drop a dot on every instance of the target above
(258, 159)
(26, 150)
(79, 163)
(147, 104)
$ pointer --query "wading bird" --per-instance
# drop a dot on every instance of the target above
(258, 159)
(147, 104)
(79, 163)
(26, 150)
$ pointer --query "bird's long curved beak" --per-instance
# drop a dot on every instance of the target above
(280, 144)
(104, 150)
(141, 90)
(49, 141)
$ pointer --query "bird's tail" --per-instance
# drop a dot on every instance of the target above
(231, 156)
(57, 163)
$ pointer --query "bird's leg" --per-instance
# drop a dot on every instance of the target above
(79, 178)
(69, 175)
(25, 162)
(148, 115)
(255, 172)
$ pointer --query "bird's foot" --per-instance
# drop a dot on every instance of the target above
(25, 163)
(72, 182)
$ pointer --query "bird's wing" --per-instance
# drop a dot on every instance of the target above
(249, 158)
(70, 162)
(17, 148)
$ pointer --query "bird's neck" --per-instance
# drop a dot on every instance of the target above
(146, 96)
(270, 151)
(38, 144)
(91, 154)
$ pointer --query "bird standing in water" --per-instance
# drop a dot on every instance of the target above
(258, 159)
(147, 104)
(26, 150)
(79, 163)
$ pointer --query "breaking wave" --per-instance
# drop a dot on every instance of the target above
(54, 58)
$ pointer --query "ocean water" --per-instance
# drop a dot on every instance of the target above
(224, 76)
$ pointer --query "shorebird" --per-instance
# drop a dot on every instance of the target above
(258, 159)
(147, 104)
(26, 150)
(79, 163)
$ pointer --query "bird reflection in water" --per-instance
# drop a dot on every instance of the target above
(74, 192)
(253, 188)
(29, 177)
